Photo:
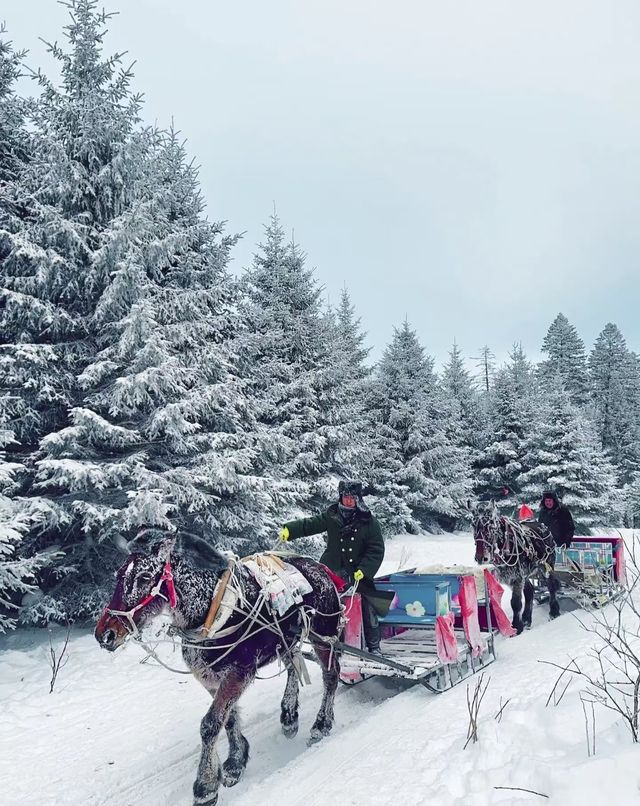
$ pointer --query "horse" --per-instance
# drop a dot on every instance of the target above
(519, 552)
(228, 661)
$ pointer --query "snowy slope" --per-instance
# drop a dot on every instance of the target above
(119, 733)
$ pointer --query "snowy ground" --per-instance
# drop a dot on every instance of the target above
(117, 733)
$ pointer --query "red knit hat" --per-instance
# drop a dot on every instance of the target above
(525, 513)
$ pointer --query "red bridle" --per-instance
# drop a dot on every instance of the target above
(170, 597)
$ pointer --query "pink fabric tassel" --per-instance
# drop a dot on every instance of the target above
(469, 607)
(352, 633)
(446, 644)
(495, 598)
(620, 573)
(337, 581)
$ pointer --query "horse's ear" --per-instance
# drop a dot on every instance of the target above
(201, 553)
(164, 548)
(121, 544)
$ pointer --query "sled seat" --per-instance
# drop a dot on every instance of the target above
(607, 549)
(586, 556)
(419, 598)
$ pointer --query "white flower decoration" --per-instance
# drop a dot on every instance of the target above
(415, 609)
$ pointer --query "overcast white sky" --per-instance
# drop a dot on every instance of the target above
(472, 165)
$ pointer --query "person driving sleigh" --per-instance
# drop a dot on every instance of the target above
(355, 548)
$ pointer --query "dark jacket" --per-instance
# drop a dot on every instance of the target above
(352, 545)
(558, 521)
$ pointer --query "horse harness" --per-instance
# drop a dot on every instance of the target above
(227, 584)
(516, 543)
(170, 597)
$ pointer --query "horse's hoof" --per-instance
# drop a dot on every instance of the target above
(318, 733)
(203, 796)
(290, 730)
(206, 801)
(231, 773)
(553, 616)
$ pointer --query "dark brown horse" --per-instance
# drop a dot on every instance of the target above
(149, 583)
(519, 552)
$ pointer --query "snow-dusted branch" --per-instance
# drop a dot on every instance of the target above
(498, 716)
(522, 789)
(612, 667)
(473, 705)
(58, 660)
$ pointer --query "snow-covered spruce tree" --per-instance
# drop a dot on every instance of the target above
(14, 151)
(631, 496)
(351, 338)
(486, 363)
(289, 352)
(448, 459)
(165, 436)
(520, 370)
(17, 516)
(566, 360)
(14, 141)
(524, 382)
(351, 379)
(18, 574)
(615, 395)
(628, 459)
(500, 463)
(563, 454)
(420, 476)
(78, 181)
(460, 389)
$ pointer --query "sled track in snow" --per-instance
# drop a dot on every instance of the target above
(270, 751)
(162, 787)
(307, 781)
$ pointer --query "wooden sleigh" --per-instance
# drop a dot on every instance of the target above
(439, 630)
(591, 572)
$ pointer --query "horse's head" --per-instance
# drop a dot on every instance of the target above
(486, 530)
(144, 585)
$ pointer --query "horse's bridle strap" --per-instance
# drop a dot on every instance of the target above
(215, 602)
(171, 598)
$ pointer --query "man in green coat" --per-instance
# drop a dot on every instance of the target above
(355, 548)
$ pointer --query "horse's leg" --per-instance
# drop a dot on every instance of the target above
(231, 684)
(330, 670)
(234, 766)
(528, 603)
(553, 584)
(289, 705)
(516, 604)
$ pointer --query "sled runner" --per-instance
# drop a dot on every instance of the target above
(438, 631)
(592, 573)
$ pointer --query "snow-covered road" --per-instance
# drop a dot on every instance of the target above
(117, 733)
